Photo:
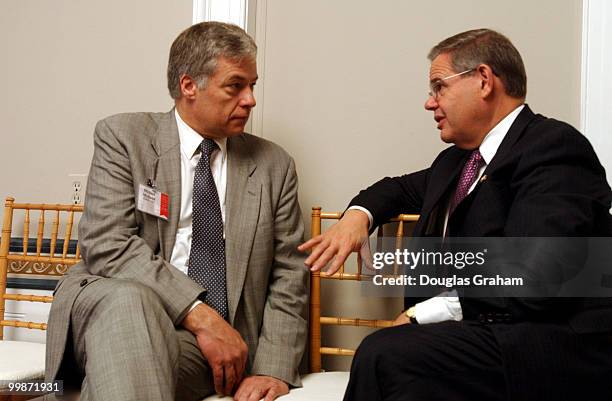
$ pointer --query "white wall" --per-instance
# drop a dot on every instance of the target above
(345, 81)
(596, 121)
(65, 65)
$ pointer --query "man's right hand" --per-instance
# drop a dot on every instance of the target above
(221, 345)
(347, 235)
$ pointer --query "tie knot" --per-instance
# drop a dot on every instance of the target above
(207, 147)
(476, 157)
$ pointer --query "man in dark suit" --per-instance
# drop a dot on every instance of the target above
(510, 173)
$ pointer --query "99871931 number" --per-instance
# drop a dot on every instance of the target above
(32, 387)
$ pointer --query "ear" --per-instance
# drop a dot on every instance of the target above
(189, 87)
(487, 80)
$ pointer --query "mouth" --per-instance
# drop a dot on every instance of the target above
(439, 120)
(240, 118)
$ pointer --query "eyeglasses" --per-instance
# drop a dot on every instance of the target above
(436, 86)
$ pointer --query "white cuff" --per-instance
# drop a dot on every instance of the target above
(196, 303)
(367, 212)
(445, 306)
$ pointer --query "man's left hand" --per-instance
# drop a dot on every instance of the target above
(255, 388)
(401, 319)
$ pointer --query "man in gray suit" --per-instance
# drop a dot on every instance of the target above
(162, 307)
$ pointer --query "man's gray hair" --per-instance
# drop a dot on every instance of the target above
(196, 50)
(485, 46)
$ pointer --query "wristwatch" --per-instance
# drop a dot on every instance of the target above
(411, 315)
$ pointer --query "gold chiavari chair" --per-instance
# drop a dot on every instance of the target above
(47, 257)
(330, 386)
(316, 320)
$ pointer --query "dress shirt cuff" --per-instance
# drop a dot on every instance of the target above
(196, 303)
(445, 306)
(184, 314)
(367, 212)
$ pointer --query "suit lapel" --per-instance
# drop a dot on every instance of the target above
(243, 199)
(449, 168)
(167, 176)
(505, 147)
(443, 175)
(514, 133)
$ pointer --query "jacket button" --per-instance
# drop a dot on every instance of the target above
(83, 283)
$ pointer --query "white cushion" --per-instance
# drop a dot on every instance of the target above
(327, 386)
(20, 360)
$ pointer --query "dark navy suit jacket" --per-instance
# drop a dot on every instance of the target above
(544, 181)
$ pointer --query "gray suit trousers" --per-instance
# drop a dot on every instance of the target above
(128, 349)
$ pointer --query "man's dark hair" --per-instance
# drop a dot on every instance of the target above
(196, 50)
(485, 46)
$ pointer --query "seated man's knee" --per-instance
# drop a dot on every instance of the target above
(130, 296)
(372, 348)
(392, 345)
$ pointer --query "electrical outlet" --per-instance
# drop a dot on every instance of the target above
(77, 187)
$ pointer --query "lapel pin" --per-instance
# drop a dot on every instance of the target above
(483, 178)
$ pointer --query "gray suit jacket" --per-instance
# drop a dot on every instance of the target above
(266, 278)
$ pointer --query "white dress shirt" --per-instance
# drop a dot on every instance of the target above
(190, 156)
(446, 306)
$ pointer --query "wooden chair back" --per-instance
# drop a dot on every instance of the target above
(316, 320)
(41, 256)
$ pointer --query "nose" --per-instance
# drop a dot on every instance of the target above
(248, 98)
(431, 103)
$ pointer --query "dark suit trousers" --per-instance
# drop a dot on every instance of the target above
(462, 361)
(447, 361)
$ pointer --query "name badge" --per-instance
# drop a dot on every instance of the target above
(152, 201)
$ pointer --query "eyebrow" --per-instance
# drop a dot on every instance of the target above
(238, 77)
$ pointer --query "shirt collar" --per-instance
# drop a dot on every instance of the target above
(494, 138)
(190, 140)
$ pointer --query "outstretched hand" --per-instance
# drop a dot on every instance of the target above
(350, 234)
